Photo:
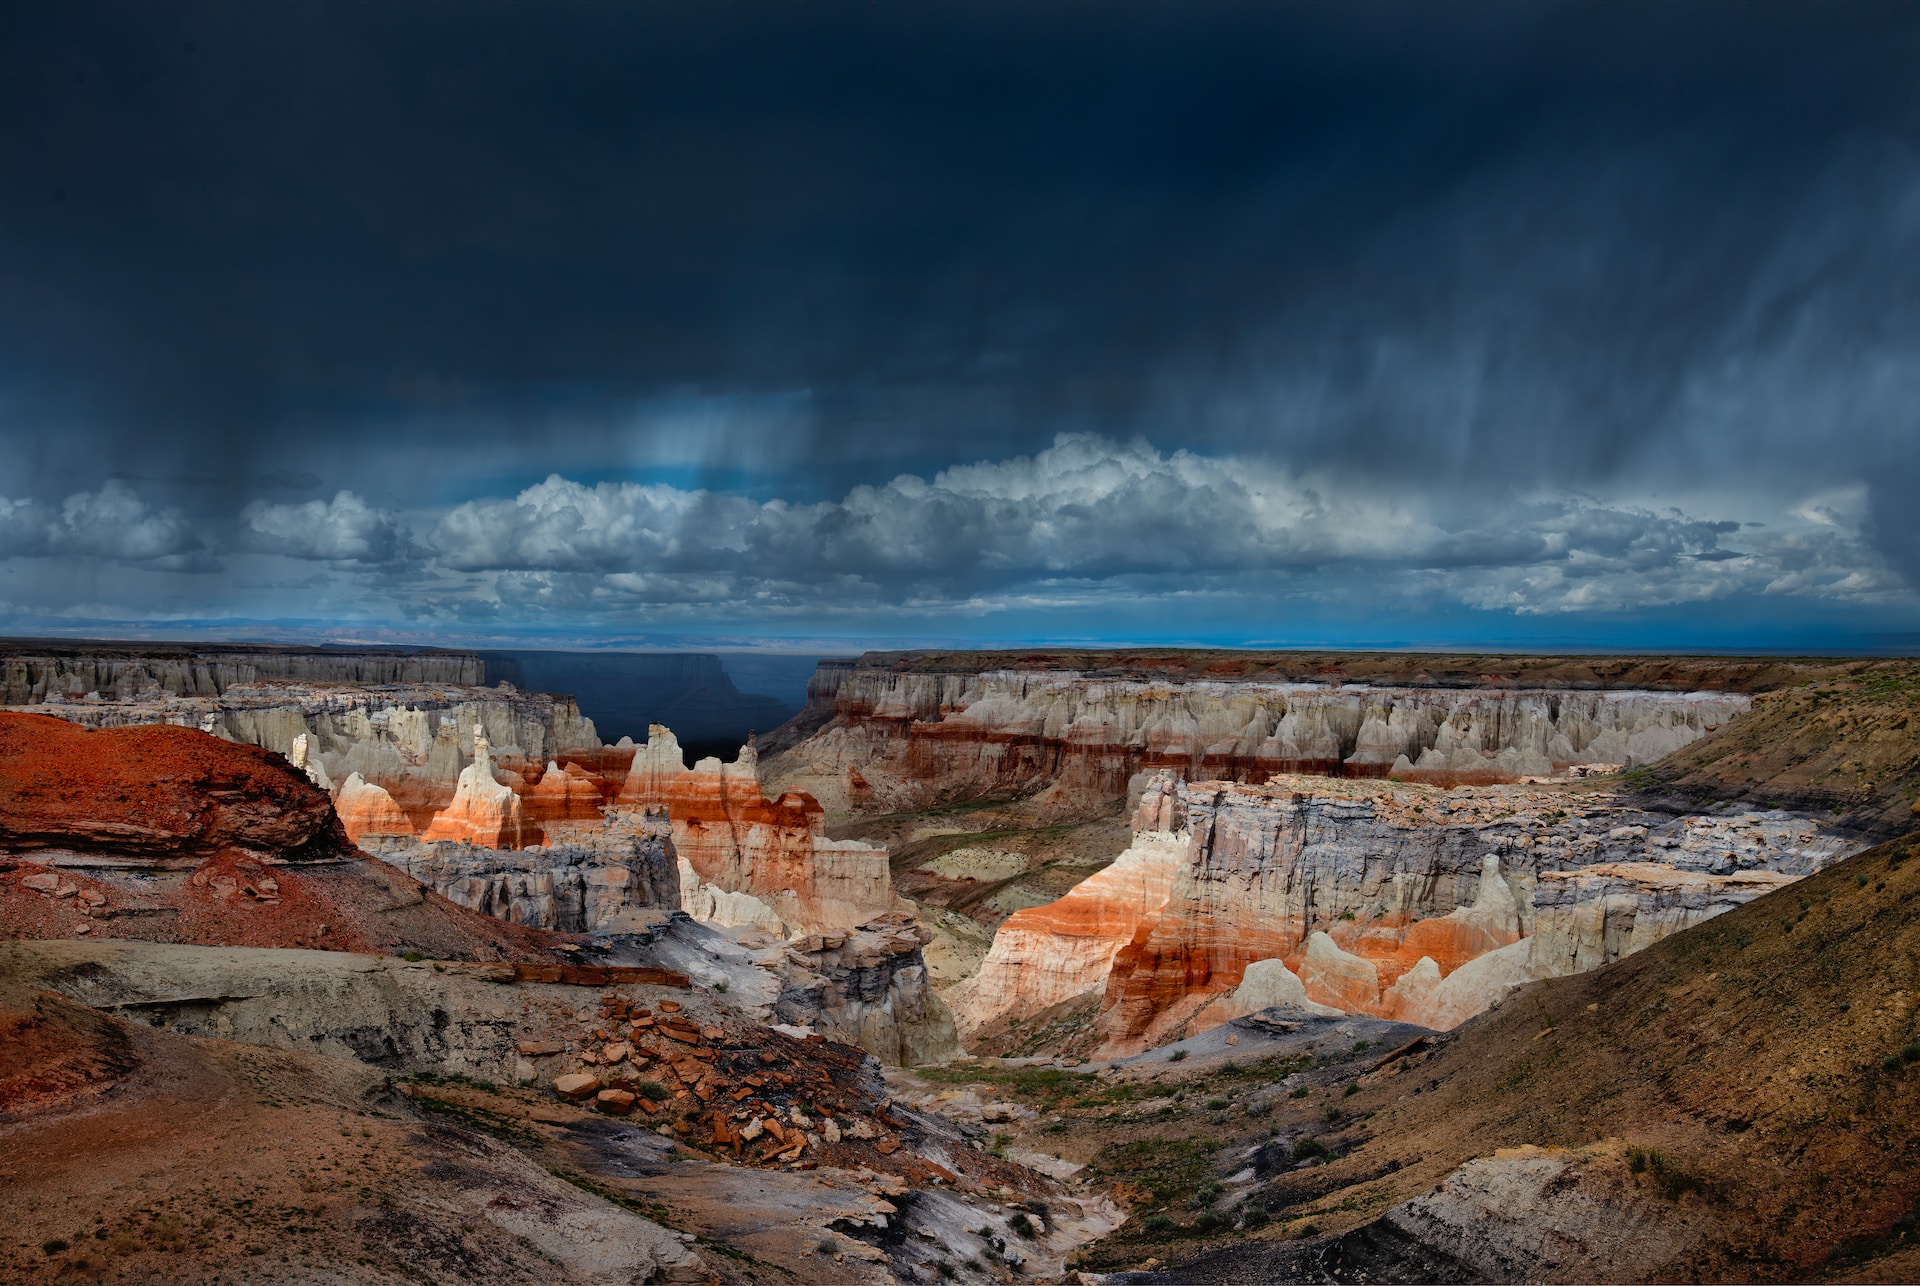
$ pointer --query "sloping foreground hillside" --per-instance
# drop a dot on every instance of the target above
(1738, 1102)
(137, 1154)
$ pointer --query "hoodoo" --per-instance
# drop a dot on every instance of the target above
(367, 810)
(484, 811)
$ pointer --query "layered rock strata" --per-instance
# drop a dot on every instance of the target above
(869, 987)
(159, 796)
(412, 740)
(738, 841)
(368, 811)
(1046, 954)
(567, 793)
(90, 672)
(1395, 900)
(171, 835)
(908, 739)
(617, 878)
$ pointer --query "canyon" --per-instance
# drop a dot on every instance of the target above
(1198, 866)
(555, 829)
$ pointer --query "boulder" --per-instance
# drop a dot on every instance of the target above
(576, 1086)
(614, 1102)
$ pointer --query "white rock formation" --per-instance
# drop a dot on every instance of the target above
(1266, 983)
(714, 905)
(1044, 955)
(316, 772)
(620, 878)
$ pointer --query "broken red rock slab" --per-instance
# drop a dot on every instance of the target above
(577, 1086)
(616, 1102)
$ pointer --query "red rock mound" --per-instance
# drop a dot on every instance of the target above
(174, 796)
(170, 835)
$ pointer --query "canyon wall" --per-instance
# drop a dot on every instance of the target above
(617, 877)
(869, 987)
(907, 739)
(736, 840)
(1378, 897)
(32, 670)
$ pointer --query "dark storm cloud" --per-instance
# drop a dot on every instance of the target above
(295, 271)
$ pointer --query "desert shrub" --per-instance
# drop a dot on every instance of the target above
(1353, 1087)
(1255, 1217)
(1176, 1056)
(1892, 1062)
(1213, 1221)
(413, 957)
(53, 1245)
(1216, 1105)
(1158, 1224)
(1911, 1053)
(1308, 1148)
(1300, 1092)
(1021, 1224)
(944, 1267)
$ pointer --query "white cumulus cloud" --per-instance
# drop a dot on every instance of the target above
(345, 528)
(113, 522)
